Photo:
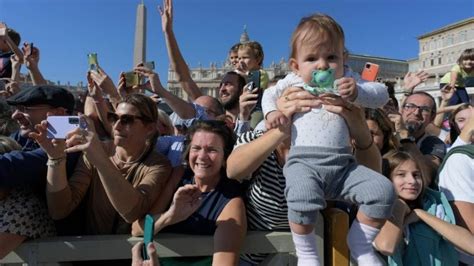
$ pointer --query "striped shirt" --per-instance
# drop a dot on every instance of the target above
(265, 198)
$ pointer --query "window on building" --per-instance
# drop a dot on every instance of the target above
(449, 40)
(432, 62)
(439, 60)
(462, 36)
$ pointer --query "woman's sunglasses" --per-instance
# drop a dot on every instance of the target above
(125, 119)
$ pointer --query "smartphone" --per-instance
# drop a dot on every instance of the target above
(28, 49)
(149, 65)
(131, 79)
(31, 49)
(254, 77)
(59, 126)
(250, 86)
(148, 235)
(370, 72)
(93, 63)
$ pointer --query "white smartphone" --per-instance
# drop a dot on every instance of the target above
(59, 126)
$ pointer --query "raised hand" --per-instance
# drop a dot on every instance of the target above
(11, 88)
(122, 89)
(166, 13)
(84, 139)
(186, 201)
(447, 92)
(153, 78)
(16, 62)
(55, 148)
(347, 88)
(411, 80)
(103, 81)
(4, 37)
(31, 55)
(247, 101)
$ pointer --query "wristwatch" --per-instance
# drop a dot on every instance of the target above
(409, 139)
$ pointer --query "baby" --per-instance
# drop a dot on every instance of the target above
(320, 164)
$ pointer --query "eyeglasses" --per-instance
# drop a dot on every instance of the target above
(125, 119)
(27, 109)
(426, 110)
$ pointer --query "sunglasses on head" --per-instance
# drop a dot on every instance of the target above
(125, 119)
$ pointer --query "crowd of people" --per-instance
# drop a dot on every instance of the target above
(264, 155)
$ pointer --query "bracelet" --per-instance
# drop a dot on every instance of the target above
(364, 148)
(53, 162)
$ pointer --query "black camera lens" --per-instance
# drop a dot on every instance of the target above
(73, 120)
(367, 65)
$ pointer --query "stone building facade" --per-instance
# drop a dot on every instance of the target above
(439, 50)
(208, 79)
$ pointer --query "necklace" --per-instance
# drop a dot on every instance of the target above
(130, 162)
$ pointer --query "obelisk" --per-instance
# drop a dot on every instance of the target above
(139, 51)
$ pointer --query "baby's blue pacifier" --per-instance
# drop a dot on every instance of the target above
(322, 81)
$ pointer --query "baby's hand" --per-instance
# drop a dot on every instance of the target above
(347, 88)
(275, 119)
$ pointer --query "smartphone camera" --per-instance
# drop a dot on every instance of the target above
(92, 60)
(74, 120)
(250, 86)
(367, 65)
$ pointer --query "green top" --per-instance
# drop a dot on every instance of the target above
(462, 75)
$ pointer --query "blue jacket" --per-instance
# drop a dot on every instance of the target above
(27, 168)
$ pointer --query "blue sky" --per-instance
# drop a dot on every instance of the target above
(66, 30)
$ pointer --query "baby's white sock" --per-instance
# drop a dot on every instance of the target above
(306, 249)
(360, 240)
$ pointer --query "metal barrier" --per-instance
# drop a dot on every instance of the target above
(54, 250)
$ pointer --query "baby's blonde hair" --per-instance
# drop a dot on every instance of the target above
(256, 48)
(313, 28)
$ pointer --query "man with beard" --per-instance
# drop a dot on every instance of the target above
(237, 103)
(418, 111)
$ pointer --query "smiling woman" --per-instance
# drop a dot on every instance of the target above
(422, 217)
(119, 180)
(207, 202)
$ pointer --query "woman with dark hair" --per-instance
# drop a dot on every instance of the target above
(207, 202)
(422, 218)
(382, 130)
(119, 180)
